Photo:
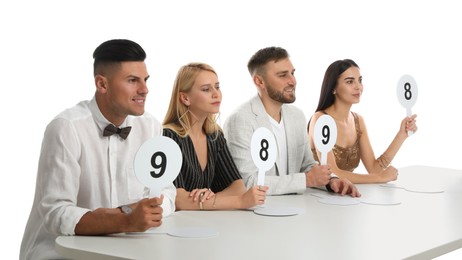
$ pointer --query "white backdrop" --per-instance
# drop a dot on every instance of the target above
(46, 66)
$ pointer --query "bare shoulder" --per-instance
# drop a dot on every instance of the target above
(317, 115)
(360, 119)
(312, 121)
(362, 124)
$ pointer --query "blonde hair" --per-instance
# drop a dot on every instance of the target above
(178, 118)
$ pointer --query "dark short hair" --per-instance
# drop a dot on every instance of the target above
(116, 51)
(263, 56)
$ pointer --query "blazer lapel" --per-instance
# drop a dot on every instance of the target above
(260, 114)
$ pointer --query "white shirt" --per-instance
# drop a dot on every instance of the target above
(279, 132)
(81, 170)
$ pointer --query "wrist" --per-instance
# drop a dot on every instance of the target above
(402, 135)
(332, 177)
(214, 201)
(240, 203)
(125, 222)
(309, 183)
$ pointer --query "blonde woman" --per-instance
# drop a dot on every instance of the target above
(208, 178)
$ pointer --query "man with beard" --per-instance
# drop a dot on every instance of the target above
(295, 169)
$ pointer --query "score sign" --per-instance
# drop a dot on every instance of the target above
(264, 151)
(325, 136)
(157, 163)
(407, 94)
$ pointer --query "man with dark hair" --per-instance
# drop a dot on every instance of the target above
(85, 179)
(295, 169)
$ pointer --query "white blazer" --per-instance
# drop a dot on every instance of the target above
(238, 130)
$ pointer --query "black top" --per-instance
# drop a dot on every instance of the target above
(220, 171)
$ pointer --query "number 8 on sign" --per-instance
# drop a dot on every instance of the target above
(325, 136)
(407, 94)
(263, 150)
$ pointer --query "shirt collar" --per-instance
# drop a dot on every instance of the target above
(99, 118)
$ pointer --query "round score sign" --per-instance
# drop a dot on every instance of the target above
(407, 94)
(264, 151)
(325, 136)
(407, 91)
(157, 163)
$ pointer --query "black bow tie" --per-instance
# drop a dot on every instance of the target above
(122, 132)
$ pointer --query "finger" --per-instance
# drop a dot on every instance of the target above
(156, 218)
(333, 186)
(261, 198)
(345, 189)
(193, 193)
(154, 202)
(260, 188)
(198, 195)
(411, 124)
(263, 188)
(261, 194)
(208, 194)
(202, 196)
(156, 211)
(155, 223)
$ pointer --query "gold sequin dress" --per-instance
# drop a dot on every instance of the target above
(347, 158)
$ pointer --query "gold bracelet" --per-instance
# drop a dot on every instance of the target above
(201, 207)
(384, 161)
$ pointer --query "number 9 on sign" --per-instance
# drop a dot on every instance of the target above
(325, 136)
(157, 163)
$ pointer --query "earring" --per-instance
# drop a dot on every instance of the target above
(180, 119)
(187, 125)
(334, 92)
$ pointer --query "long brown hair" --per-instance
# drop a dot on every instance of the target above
(333, 72)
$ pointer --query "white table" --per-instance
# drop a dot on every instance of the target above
(423, 226)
